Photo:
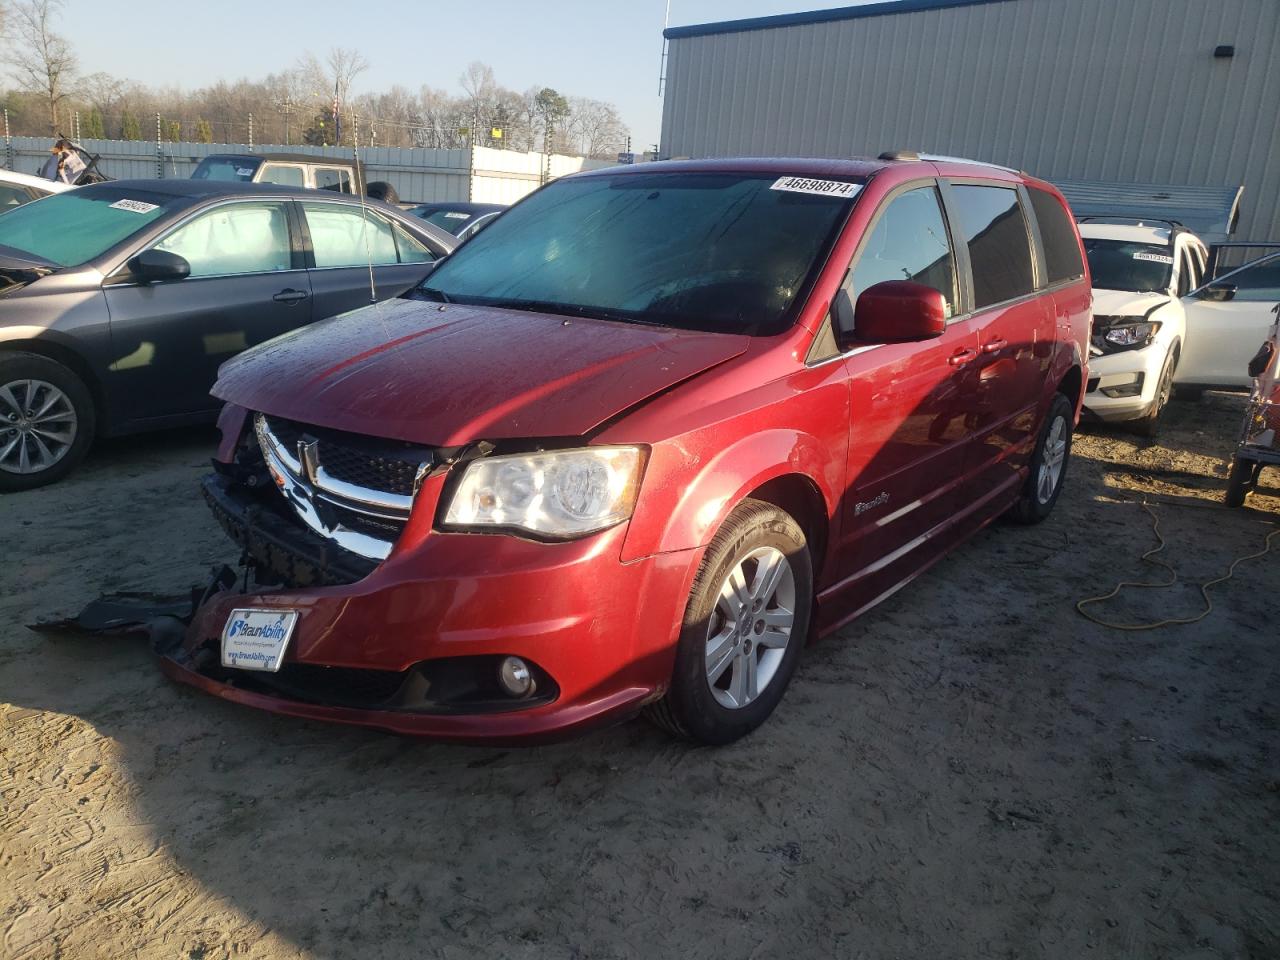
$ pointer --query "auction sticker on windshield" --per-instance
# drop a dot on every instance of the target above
(821, 188)
(1152, 257)
(257, 639)
(134, 206)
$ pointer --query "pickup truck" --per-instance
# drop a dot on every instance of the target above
(294, 170)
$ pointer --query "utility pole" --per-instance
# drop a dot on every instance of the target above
(288, 108)
(159, 150)
(251, 133)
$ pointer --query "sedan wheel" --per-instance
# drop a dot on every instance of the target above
(47, 421)
(748, 634)
(38, 426)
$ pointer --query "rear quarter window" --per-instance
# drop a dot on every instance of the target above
(992, 224)
(1058, 235)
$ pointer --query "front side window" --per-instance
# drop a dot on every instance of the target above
(284, 175)
(1129, 265)
(999, 249)
(1260, 282)
(343, 236)
(333, 178)
(908, 242)
(235, 238)
(723, 252)
(1058, 235)
(71, 228)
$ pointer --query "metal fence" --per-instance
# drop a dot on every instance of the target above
(419, 175)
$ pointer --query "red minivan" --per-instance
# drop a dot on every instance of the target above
(636, 443)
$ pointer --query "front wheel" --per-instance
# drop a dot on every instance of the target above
(1048, 464)
(1149, 425)
(46, 421)
(746, 620)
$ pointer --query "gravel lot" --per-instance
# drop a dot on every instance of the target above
(972, 770)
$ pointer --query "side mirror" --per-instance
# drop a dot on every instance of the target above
(895, 311)
(157, 266)
(1217, 291)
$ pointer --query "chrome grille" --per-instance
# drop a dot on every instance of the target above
(354, 491)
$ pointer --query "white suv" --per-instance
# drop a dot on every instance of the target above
(1140, 271)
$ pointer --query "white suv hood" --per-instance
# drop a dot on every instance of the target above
(1126, 303)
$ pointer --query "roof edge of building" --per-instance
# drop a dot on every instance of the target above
(881, 9)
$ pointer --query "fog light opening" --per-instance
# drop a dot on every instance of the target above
(515, 677)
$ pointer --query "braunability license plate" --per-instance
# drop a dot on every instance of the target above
(257, 639)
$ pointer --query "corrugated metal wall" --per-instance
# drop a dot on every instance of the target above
(1120, 90)
(419, 175)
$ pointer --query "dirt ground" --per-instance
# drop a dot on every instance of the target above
(971, 770)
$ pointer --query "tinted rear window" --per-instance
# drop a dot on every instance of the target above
(1058, 234)
(992, 223)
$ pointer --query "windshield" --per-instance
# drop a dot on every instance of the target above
(1123, 265)
(74, 227)
(445, 219)
(239, 169)
(728, 253)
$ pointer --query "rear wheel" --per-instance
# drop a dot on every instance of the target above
(746, 620)
(1048, 464)
(46, 421)
(1238, 481)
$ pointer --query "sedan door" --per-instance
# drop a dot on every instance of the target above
(247, 285)
(357, 256)
(1226, 322)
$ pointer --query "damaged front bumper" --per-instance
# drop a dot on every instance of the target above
(412, 643)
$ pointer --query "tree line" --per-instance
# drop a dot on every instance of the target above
(48, 94)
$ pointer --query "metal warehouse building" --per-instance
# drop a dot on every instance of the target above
(1156, 92)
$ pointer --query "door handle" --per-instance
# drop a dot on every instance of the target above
(961, 357)
(994, 346)
(290, 296)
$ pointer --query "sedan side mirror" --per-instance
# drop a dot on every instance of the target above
(895, 311)
(1218, 290)
(157, 266)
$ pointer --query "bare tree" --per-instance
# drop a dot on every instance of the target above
(41, 60)
(597, 128)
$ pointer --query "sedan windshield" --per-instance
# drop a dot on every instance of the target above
(71, 228)
(729, 253)
(1122, 265)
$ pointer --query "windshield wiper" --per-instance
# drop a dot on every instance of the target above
(572, 310)
(439, 296)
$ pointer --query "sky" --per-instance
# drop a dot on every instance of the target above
(605, 49)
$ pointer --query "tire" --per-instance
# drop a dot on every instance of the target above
(59, 434)
(381, 190)
(1238, 482)
(1186, 392)
(699, 705)
(1149, 425)
(1048, 464)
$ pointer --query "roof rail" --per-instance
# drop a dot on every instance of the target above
(942, 158)
(899, 155)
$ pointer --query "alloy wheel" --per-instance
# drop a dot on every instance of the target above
(37, 426)
(1052, 460)
(750, 627)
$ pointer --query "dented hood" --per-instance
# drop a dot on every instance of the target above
(444, 375)
(1126, 303)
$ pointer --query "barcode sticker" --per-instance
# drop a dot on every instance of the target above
(134, 206)
(821, 188)
(1152, 257)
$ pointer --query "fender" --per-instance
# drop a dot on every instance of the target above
(690, 518)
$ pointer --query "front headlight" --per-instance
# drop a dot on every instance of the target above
(557, 493)
(1130, 333)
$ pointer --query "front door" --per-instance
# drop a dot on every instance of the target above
(908, 431)
(168, 339)
(1223, 334)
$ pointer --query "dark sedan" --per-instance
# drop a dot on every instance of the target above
(118, 301)
(454, 217)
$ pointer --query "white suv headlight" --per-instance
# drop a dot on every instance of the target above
(558, 493)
